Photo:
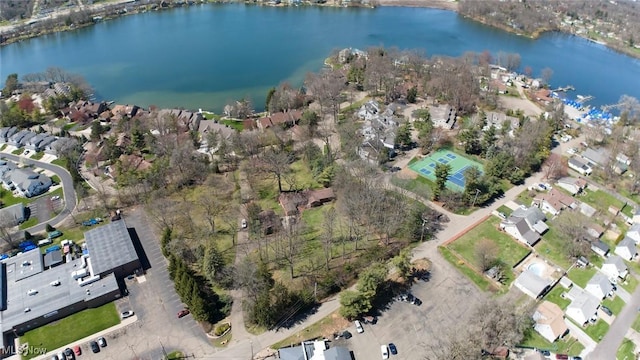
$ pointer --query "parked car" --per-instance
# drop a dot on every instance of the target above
(416, 302)
(244, 223)
(54, 357)
(102, 342)
(385, 351)
(126, 314)
(61, 356)
(392, 349)
(55, 283)
(346, 334)
(183, 313)
(359, 328)
(54, 234)
(94, 347)
(545, 353)
(69, 353)
(606, 310)
(55, 197)
(562, 357)
(77, 350)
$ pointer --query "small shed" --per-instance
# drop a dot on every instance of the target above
(52, 259)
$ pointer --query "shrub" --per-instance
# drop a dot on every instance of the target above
(220, 329)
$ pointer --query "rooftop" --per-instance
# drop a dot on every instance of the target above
(110, 246)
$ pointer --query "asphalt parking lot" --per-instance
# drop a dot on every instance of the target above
(156, 304)
(448, 300)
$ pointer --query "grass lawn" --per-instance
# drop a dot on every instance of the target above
(551, 246)
(481, 281)
(4, 146)
(37, 156)
(554, 297)
(509, 251)
(304, 178)
(222, 341)
(598, 330)
(505, 210)
(601, 200)
(626, 351)
(420, 186)
(72, 328)
(636, 324)
(175, 355)
(237, 125)
(17, 151)
(630, 284)
(60, 162)
(7, 198)
(581, 276)
(568, 345)
(29, 223)
(616, 304)
(524, 198)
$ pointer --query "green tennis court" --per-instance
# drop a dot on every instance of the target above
(426, 167)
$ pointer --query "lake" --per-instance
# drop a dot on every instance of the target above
(207, 55)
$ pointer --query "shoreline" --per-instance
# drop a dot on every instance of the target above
(112, 10)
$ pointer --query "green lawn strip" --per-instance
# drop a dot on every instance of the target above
(630, 284)
(60, 162)
(626, 351)
(7, 198)
(510, 251)
(601, 200)
(581, 276)
(33, 221)
(636, 324)
(596, 331)
(420, 186)
(17, 151)
(4, 146)
(568, 345)
(71, 328)
(310, 332)
(476, 278)
(303, 176)
(505, 210)
(524, 198)
(37, 156)
(551, 246)
(615, 305)
(175, 355)
(555, 296)
(234, 124)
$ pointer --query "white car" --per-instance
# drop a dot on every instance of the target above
(385, 351)
(55, 283)
(244, 223)
(126, 314)
(359, 328)
(55, 197)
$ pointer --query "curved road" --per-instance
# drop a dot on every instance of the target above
(70, 199)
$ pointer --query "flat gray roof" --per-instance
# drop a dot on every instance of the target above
(24, 265)
(110, 246)
(49, 299)
(52, 258)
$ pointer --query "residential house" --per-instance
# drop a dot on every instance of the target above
(635, 219)
(572, 185)
(587, 210)
(369, 110)
(6, 167)
(443, 116)
(25, 139)
(554, 201)
(542, 95)
(594, 230)
(207, 126)
(596, 157)
(532, 284)
(284, 119)
(549, 321)
(627, 249)
(634, 233)
(622, 158)
(6, 133)
(54, 147)
(14, 213)
(584, 306)
(16, 138)
(579, 166)
(499, 120)
(525, 225)
(32, 143)
(615, 268)
(599, 286)
(600, 248)
(26, 182)
(565, 282)
(292, 202)
(319, 197)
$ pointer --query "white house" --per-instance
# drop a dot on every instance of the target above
(614, 267)
(634, 233)
(599, 286)
(554, 201)
(572, 185)
(531, 284)
(583, 307)
(549, 321)
(26, 182)
(600, 248)
(579, 166)
(525, 225)
(627, 249)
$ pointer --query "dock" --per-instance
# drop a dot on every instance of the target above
(563, 89)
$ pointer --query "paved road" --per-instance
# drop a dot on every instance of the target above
(67, 188)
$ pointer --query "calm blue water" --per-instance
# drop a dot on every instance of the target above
(205, 56)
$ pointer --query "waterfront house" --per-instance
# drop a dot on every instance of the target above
(579, 166)
(285, 119)
(627, 249)
(572, 185)
(615, 268)
(599, 286)
(549, 321)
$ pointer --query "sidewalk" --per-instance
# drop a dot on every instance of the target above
(126, 322)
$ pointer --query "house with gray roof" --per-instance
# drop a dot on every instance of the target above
(525, 225)
(314, 350)
(634, 233)
(16, 138)
(599, 286)
(56, 146)
(32, 144)
(600, 248)
(615, 268)
(26, 182)
(5, 168)
(532, 284)
(579, 166)
(598, 157)
(627, 248)
(6, 133)
(45, 142)
(584, 306)
(26, 138)
(14, 213)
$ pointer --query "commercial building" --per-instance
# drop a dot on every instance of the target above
(33, 294)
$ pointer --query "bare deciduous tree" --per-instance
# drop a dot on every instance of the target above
(486, 253)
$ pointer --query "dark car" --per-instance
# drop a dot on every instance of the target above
(417, 302)
(69, 353)
(562, 357)
(183, 313)
(606, 310)
(392, 349)
(347, 335)
(94, 347)
(545, 352)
